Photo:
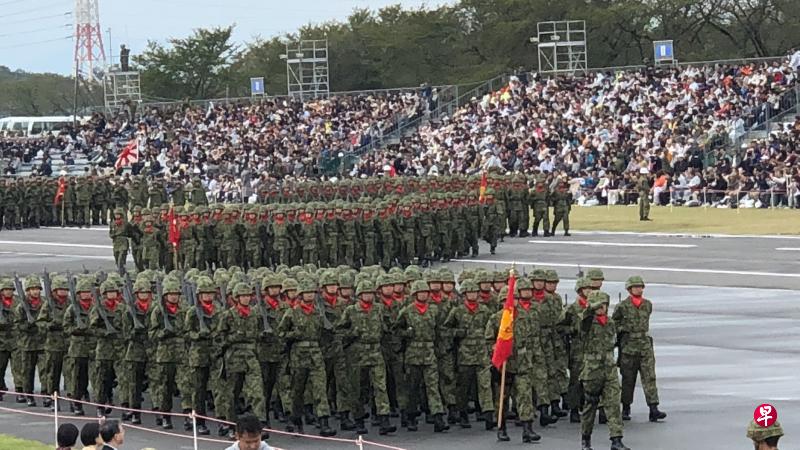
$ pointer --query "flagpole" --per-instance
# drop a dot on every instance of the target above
(502, 395)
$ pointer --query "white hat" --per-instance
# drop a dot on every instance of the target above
(644, 170)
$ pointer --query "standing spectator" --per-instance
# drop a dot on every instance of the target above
(66, 436)
(112, 434)
(248, 434)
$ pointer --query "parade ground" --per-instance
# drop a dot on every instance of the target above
(725, 326)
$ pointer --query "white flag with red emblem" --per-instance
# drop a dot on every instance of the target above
(129, 155)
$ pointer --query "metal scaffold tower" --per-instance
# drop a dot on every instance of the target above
(89, 53)
(307, 69)
(561, 46)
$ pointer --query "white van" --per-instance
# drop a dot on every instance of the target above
(35, 126)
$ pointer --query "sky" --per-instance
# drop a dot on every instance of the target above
(33, 33)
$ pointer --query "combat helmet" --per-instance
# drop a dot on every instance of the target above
(468, 286)
(597, 299)
(582, 283)
(759, 433)
(595, 274)
(419, 286)
(33, 281)
(205, 284)
(635, 280)
(242, 288)
(364, 287)
(551, 276)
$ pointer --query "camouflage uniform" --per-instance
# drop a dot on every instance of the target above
(110, 342)
(82, 343)
(30, 339)
(270, 347)
(166, 332)
(540, 201)
(340, 387)
(200, 336)
(136, 359)
(562, 203)
(119, 232)
(50, 322)
(8, 341)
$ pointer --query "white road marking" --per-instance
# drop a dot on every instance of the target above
(611, 244)
(56, 244)
(58, 255)
(95, 228)
(690, 235)
(634, 268)
(788, 249)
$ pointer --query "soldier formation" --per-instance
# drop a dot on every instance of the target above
(303, 344)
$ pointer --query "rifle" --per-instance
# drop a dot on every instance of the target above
(326, 323)
(192, 293)
(48, 291)
(160, 293)
(223, 290)
(100, 310)
(185, 288)
(74, 301)
(25, 306)
(580, 272)
(127, 294)
(263, 308)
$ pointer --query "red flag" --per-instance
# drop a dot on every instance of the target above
(129, 155)
(62, 188)
(484, 184)
(392, 171)
(505, 335)
(174, 229)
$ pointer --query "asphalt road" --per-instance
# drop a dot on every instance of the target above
(721, 350)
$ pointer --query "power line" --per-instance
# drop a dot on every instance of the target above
(67, 25)
(28, 11)
(27, 44)
(36, 19)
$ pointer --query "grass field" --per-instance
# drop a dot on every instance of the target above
(12, 443)
(682, 219)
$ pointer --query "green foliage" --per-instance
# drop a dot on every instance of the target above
(30, 94)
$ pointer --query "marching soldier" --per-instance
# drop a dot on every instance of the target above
(82, 343)
(106, 322)
(137, 348)
(7, 339)
(636, 356)
(30, 340)
(166, 332)
(573, 317)
(364, 329)
(599, 375)
(51, 325)
(644, 186)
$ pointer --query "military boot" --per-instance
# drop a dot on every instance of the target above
(616, 444)
(187, 424)
(626, 412)
(528, 435)
(502, 436)
(202, 429)
(159, 419)
(48, 402)
(20, 398)
(439, 424)
(324, 429)
(360, 427)
(586, 442)
(556, 410)
(463, 421)
(602, 416)
(136, 419)
(78, 407)
(655, 414)
(403, 418)
(386, 426)
(412, 422)
(574, 416)
(488, 420)
(545, 418)
(310, 419)
(345, 423)
(31, 402)
(167, 423)
(452, 415)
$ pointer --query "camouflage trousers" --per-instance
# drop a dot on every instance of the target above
(248, 385)
(387, 250)
(407, 248)
(374, 376)
(106, 376)
(184, 384)
(575, 388)
(423, 380)
(339, 381)
(447, 377)
(310, 254)
(136, 250)
(552, 390)
(163, 389)
(473, 381)
(5, 360)
(132, 383)
(16, 370)
(303, 378)
(222, 390)
(151, 257)
(518, 386)
(81, 369)
(396, 383)
(270, 373)
(53, 368)
(560, 216)
(540, 215)
(518, 220)
(253, 254)
(631, 365)
(30, 361)
(604, 393)
(200, 381)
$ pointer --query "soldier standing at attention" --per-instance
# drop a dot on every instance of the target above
(562, 203)
(540, 200)
(302, 328)
(493, 215)
(636, 356)
(599, 375)
(118, 232)
(364, 329)
(417, 324)
(644, 186)
(30, 340)
(572, 322)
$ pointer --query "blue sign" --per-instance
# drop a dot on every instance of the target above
(257, 86)
(663, 51)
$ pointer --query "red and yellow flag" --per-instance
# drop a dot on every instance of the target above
(174, 232)
(482, 191)
(62, 188)
(505, 335)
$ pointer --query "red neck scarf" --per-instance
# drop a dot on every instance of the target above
(436, 297)
(525, 303)
(172, 308)
(7, 301)
(583, 302)
(365, 306)
(208, 308)
(110, 304)
(307, 308)
(330, 299)
(272, 302)
(85, 304)
(387, 301)
(143, 305)
(243, 310)
(60, 301)
(35, 302)
(602, 320)
(422, 307)
(539, 296)
(471, 306)
(637, 300)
